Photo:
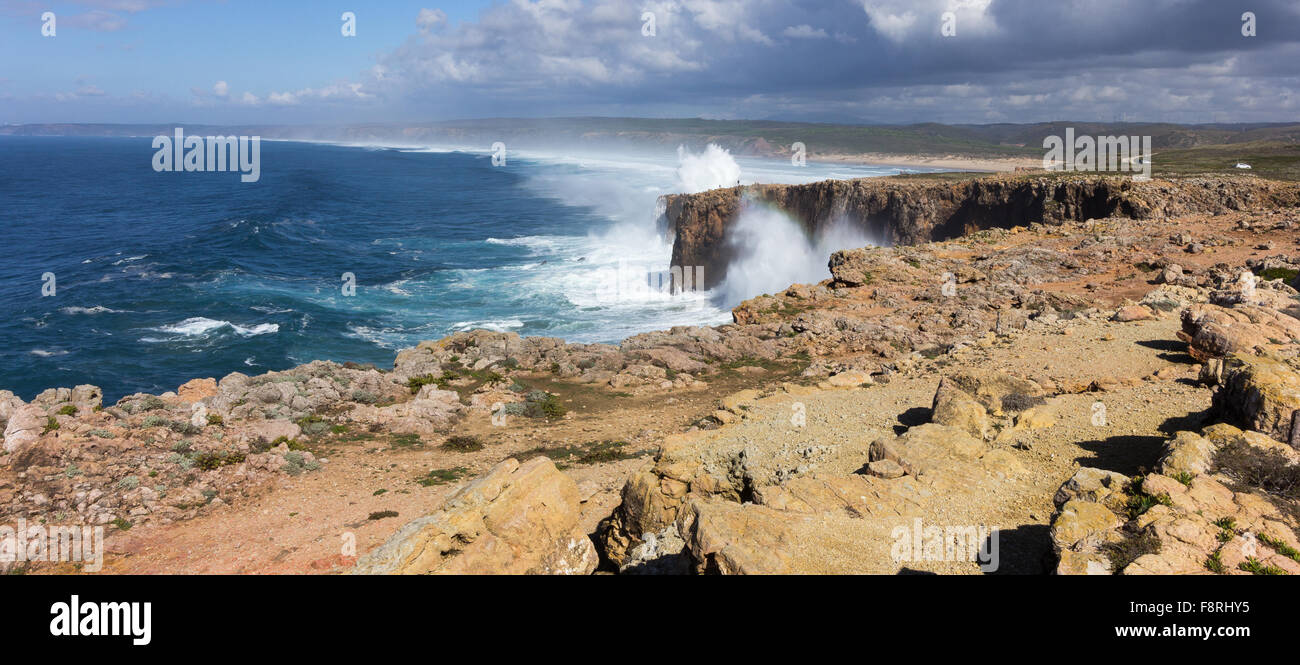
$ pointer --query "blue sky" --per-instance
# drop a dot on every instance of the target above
(160, 51)
(285, 61)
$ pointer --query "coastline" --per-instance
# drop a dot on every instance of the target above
(953, 162)
(864, 355)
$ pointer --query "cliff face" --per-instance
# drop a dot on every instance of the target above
(911, 211)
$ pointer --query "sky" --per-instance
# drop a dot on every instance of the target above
(874, 61)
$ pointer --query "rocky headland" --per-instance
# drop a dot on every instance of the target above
(1102, 372)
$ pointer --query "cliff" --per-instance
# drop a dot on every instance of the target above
(910, 211)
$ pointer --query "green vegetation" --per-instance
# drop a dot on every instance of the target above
(1215, 563)
(1268, 159)
(415, 383)
(215, 419)
(538, 404)
(405, 441)
(593, 452)
(176, 426)
(463, 444)
(68, 410)
(146, 403)
(1227, 528)
(382, 514)
(291, 444)
(442, 476)
(298, 463)
(1184, 477)
(1281, 547)
(1140, 502)
(1284, 274)
(121, 524)
(51, 424)
(1255, 567)
(365, 396)
(313, 425)
(211, 460)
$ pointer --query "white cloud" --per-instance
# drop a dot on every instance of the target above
(899, 20)
(804, 31)
(221, 88)
(430, 19)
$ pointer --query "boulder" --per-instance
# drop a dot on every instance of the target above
(1133, 313)
(24, 427)
(9, 403)
(1097, 485)
(996, 391)
(1082, 525)
(1213, 331)
(86, 398)
(1187, 452)
(195, 390)
(954, 407)
(516, 519)
(737, 539)
(1260, 393)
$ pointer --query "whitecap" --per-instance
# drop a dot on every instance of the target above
(198, 326)
(97, 309)
(495, 326)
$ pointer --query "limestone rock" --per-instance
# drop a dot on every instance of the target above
(195, 390)
(737, 539)
(1260, 393)
(1213, 331)
(24, 427)
(518, 518)
(1187, 452)
(1133, 313)
(1082, 525)
(954, 407)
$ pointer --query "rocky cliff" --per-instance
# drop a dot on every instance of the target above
(909, 211)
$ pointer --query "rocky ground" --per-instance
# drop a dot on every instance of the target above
(1110, 395)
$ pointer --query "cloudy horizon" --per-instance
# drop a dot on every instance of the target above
(871, 61)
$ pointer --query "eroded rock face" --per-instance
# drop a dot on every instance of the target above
(1189, 518)
(902, 212)
(516, 519)
(24, 427)
(757, 504)
(1214, 331)
(1259, 393)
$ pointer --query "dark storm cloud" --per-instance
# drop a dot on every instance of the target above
(880, 60)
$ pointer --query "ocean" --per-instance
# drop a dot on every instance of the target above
(154, 278)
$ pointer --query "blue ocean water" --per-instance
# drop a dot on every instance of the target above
(163, 277)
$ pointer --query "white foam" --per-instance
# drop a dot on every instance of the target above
(198, 326)
(495, 326)
(97, 309)
(773, 252)
(711, 169)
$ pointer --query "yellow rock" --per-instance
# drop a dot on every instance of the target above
(1035, 419)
